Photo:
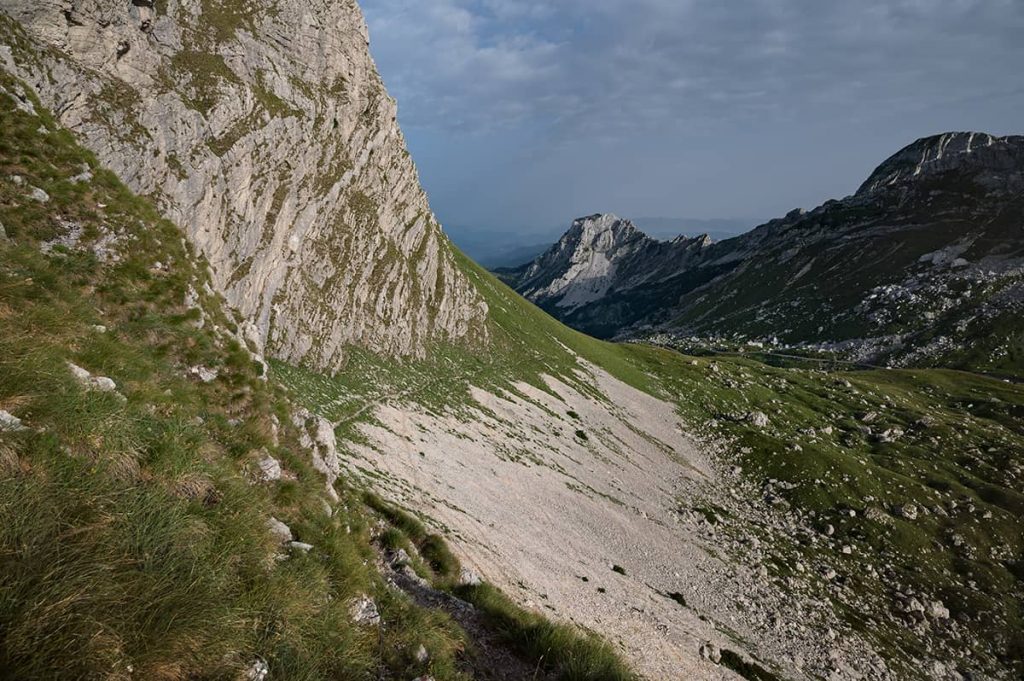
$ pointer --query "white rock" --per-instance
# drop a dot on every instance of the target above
(422, 656)
(469, 578)
(204, 374)
(758, 419)
(90, 382)
(270, 468)
(300, 546)
(258, 671)
(279, 530)
(39, 195)
(317, 435)
(364, 611)
(937, 610)
(10, 423)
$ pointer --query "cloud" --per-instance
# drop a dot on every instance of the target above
(595, 65)
(512, 97)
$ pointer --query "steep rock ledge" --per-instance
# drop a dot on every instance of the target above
(263, 129)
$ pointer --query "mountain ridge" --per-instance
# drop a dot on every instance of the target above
(937, 217)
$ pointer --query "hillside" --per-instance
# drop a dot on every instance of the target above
(921, 267)
(501, 499)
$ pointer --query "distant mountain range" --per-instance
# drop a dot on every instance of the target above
(923, 265)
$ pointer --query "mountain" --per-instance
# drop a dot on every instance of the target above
(923, 265)
(209, 108)
(380, 490)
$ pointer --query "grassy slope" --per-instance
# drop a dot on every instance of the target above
(968, 454)
(131, 541)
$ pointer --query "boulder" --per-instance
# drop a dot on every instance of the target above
(907, 511)
(317, 435)
(937, 610)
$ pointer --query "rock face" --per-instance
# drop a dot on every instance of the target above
(586, 279)
(923, 265)
(264, 130)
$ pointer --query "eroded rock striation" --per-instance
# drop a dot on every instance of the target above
(265, 131)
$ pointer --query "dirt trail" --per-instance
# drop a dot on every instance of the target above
(492, 659)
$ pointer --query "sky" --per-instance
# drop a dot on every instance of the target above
(522, 115)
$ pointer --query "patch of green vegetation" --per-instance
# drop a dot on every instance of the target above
(207, 72)
(432, 547)
(952, 437)
(565, 651)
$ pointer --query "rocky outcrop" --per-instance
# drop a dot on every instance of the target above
(997, 161)
(596, 266)
(264, 130)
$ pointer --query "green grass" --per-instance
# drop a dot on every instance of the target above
(967, 454)
(566, 651)
(131, 537)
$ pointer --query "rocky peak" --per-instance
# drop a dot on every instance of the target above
(987, 156)
(602, 232)
(263, 129)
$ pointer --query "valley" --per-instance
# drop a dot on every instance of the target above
(261, 420)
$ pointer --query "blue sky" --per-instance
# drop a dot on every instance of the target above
(522, 115)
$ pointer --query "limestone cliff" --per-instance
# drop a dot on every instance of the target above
(264, 130)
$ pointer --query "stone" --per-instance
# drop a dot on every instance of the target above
(258, 671)
(281, 532)
(398, 558)
(469, 578)
(3, 233)
(204, 374)
(10, 423)
(300, 546)
(317, 435)
(937, 610)
(364, 611)
(269, 468)
(758, 419)
(710, 652)
(39, 195)
(422, 656)
(90, 382)
(906, 511)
